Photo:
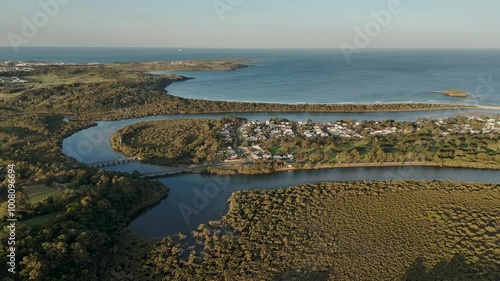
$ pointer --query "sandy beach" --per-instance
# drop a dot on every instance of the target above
(489, 107)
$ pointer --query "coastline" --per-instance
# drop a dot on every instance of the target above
(489, 107)
(375, 103)
(343, 107)
(232, 108)
(158, 101)
(378, 106)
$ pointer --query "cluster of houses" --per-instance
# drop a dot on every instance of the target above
(16, 69)
(180, 62)
(230, 153)
(256, 152)
(329, 129)
(24, 64)
(225, 132)
(10, 66)
(252, 153)
(316, 131)
(491, 126)
(12, 80)
(484, 125)
(254, 132)
(488, 126)
(387, 131)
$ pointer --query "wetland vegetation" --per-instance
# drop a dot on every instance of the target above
(385, 230)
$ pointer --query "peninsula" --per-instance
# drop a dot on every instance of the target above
(234, 145)
(185, 65)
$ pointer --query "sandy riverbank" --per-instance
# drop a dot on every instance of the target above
(367, 165)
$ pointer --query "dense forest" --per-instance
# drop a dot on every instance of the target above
(179, 141)
(71, 216)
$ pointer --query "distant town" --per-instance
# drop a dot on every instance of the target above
(11, 70)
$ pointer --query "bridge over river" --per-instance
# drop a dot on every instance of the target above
(165, 173)
(113, 162)
(157, 174)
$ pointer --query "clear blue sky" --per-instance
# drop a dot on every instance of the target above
(255, 23)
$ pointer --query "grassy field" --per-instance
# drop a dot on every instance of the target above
(7, 95)
(38, 221)
(36, 193)
(41, 220)
(52, 79)
(44, 77)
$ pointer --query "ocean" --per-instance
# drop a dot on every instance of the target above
(313, 75)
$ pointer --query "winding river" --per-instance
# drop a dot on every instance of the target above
(195, 199)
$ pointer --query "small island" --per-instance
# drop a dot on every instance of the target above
(454, 93)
